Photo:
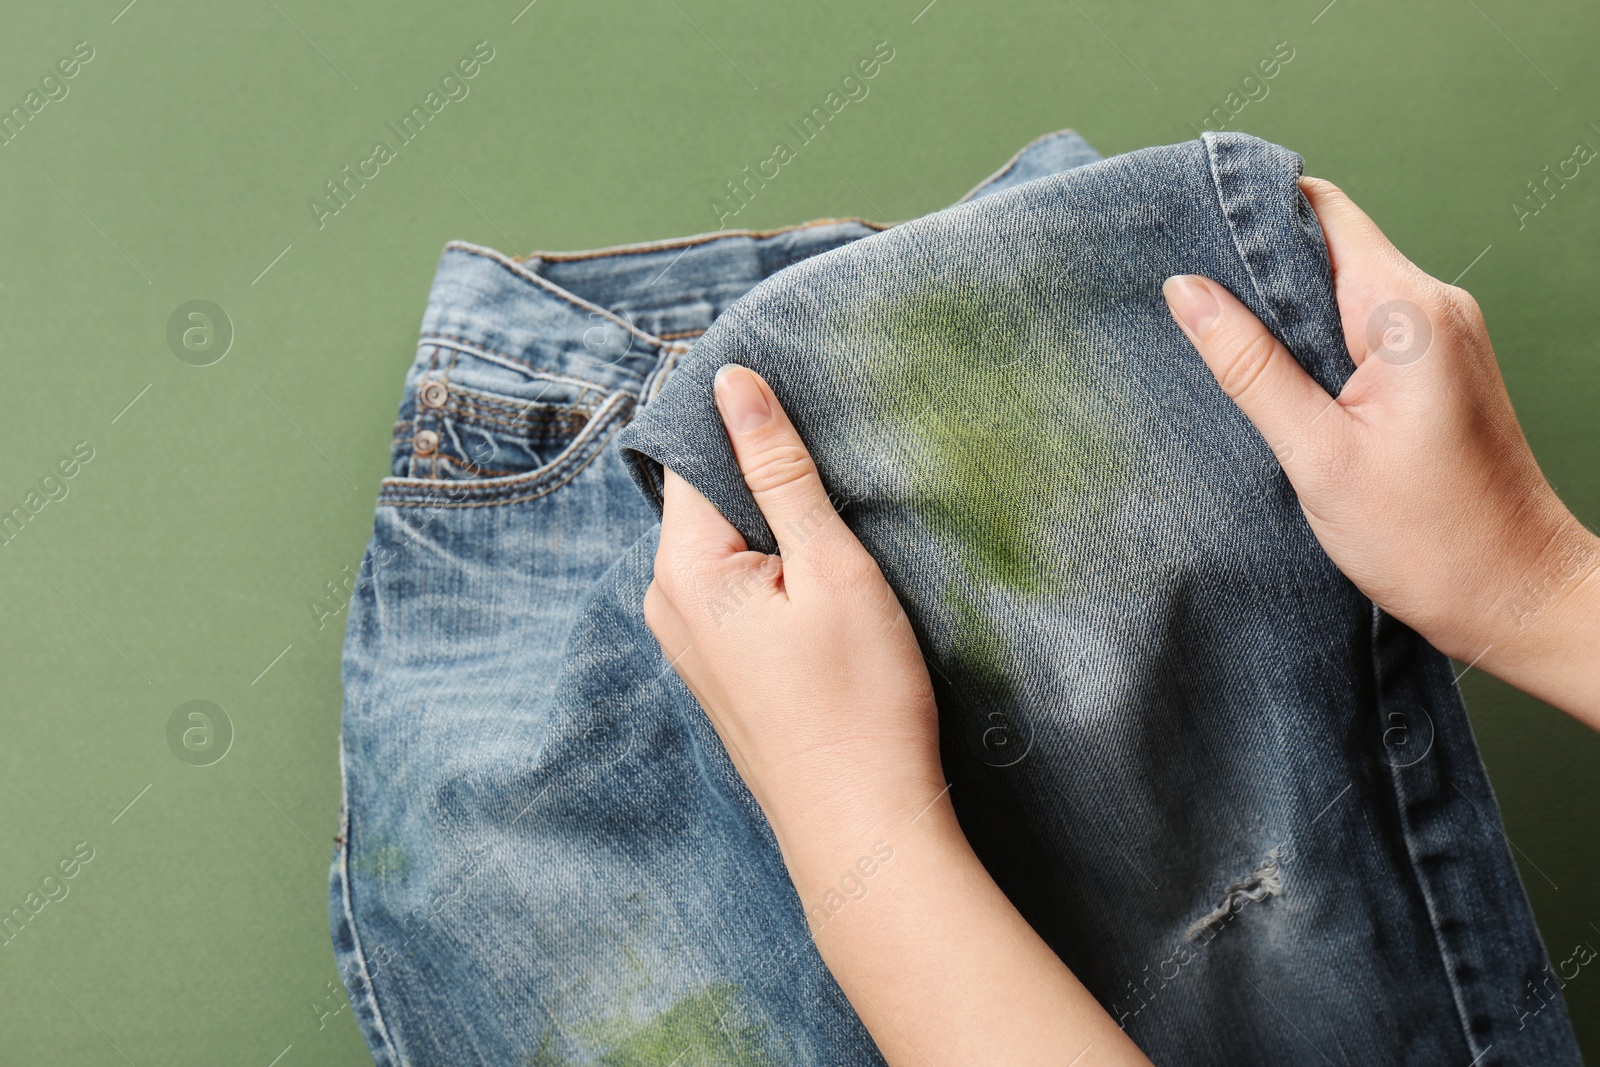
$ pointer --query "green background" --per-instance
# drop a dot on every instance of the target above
(184, 561)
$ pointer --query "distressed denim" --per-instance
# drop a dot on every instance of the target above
(1242, 804)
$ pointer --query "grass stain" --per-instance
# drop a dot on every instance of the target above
(696, 1030)
(994, 413)
(383, 862)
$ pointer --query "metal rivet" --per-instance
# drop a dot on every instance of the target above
(426, 442)
(434, 394)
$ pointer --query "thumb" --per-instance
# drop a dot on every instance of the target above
(1252, 367)
(776, 464)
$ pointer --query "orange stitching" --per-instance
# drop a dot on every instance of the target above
(547, 375)
(516, 268)
(519, 417)
(617, 405)
(526, 413)
(579, 469)
(481, 472)
(511, 405)
(681, 242)
(529, 427)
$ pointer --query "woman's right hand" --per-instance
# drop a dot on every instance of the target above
(1416, 478)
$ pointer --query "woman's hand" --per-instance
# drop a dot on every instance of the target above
(804, 662)
(807, 667)
(1416, 479)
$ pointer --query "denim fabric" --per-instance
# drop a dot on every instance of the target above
(491, 900)
(1243, 805)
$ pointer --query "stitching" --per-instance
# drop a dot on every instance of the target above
(678, 335)
(540, 427)
(516, 363)
(402, 427)
(522, 418)
(1446, 960)
(381, 1024)
(658, 377)
(416, 410)
(493, 405)
(700, 239)
(674, 242)
(588, 459)
(531, 415)
(609, 413)
(1011, 164)
(1233, 233)
(516, 268)
(475, 470)
(504, 404)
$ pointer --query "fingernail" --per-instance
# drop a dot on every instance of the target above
(743, 403)
(1192, 303)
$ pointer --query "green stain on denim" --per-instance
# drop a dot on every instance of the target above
(383, 861)
(980, 648)
(1003, 435)
(701, 1029)
(994, 412)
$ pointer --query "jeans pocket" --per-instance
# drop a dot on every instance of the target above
(476, 429)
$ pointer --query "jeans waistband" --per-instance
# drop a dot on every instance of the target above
(609, 316)
(615, 317)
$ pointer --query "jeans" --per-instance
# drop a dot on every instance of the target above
(1242, 804)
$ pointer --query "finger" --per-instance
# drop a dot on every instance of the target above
(692, 525)
(1252, 367)
(1354, 240)
(663, 620)
(703, 568)
(776, 465)
(1368, 270)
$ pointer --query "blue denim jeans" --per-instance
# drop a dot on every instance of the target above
(1243, 805)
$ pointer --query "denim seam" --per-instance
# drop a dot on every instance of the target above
(466, 346)
(658, 377)
(1011, 164)
(479, 472)
(1446, 960)
(402, 433)
(493, 411)
(499, 403)
(465, 397)
(572, 420)
(653, 387)
(455, 360)
(1233, 230)
(575, 458)
(380, 1025)
(670, 243)
(518, 269)
(417, 410)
